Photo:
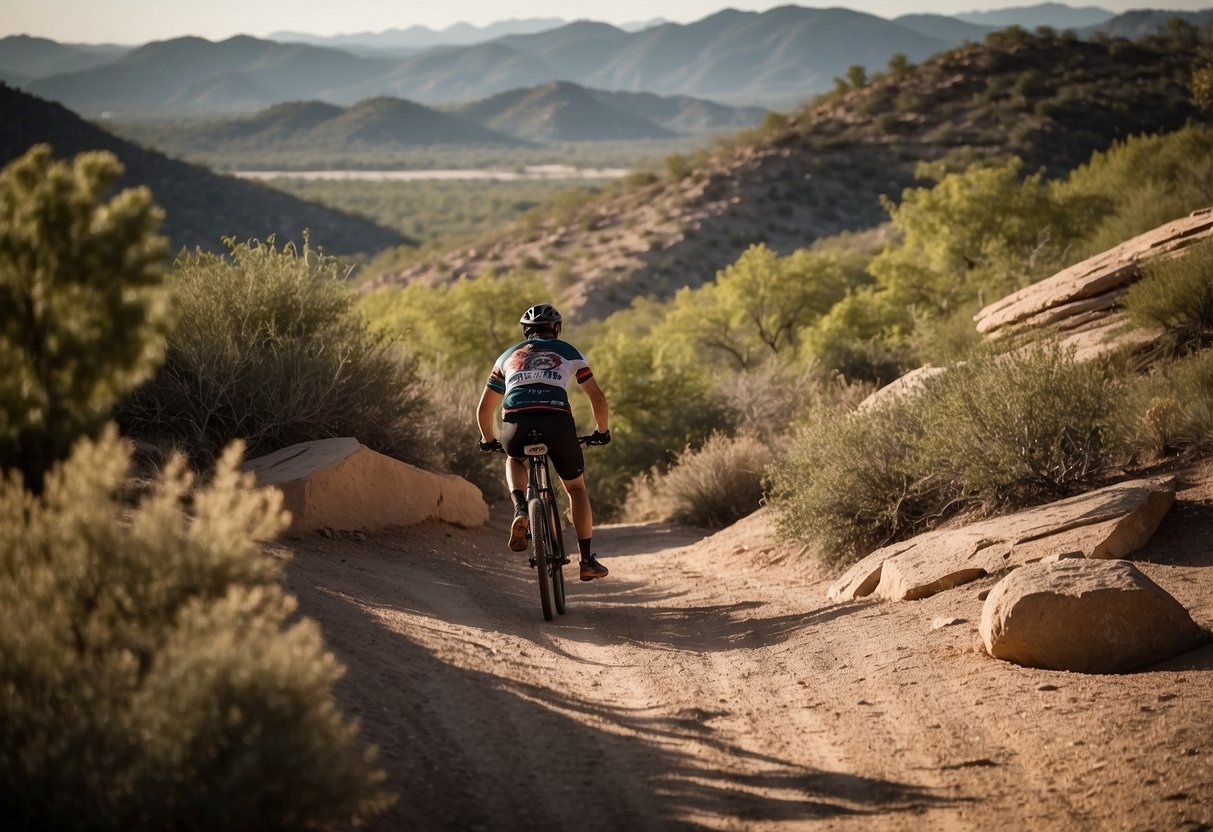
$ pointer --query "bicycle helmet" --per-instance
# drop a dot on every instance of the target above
(541, 315)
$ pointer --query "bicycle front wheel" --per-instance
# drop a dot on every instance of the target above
(543, 553)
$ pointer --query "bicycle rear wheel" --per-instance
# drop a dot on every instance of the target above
(556, 554)
(539, 539)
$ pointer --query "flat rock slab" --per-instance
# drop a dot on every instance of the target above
(1108, 523)
(341, 484)
(1072, 291)
(1084, 616)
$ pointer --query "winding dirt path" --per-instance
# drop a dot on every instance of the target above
(707, 684)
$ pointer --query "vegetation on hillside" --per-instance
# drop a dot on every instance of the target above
(1044, 98)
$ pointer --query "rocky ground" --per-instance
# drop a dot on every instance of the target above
(709, 683)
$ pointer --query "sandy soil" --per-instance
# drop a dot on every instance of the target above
(708, 684)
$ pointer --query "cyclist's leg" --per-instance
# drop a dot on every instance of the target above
(513, 438)
(579, 503)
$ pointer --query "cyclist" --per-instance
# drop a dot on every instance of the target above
(532, 378)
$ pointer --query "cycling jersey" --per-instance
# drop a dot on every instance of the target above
(535, 375)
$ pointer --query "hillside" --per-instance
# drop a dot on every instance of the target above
(1050, 100)
(377, 124)
(560, 112)
(23, 57)
(201, 207)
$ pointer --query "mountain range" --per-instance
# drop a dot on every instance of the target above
(200, 206)
(776, 58)
(553, 113)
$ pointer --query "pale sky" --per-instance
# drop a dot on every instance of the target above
(139, 21)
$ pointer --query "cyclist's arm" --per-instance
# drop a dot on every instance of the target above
(598, 402)
(486, 413)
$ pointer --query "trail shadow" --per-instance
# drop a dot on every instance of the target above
(468, 749)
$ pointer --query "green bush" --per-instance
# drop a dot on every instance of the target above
(849, 483)
(271, 349)
(83, 312)
(996, 433)
(1169, 411)
(154, 675)
(1014, 430)
(1176, 294)
(713, 486)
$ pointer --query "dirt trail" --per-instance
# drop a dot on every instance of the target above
(707, 684)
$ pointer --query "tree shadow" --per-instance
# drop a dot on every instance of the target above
(473, 749)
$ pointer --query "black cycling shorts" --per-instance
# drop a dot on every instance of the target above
(559, 434)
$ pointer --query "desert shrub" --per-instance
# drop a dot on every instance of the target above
(1176, 294)
(83, 313)
(1168, 411)
(996, 433)
(848, 483)
(1014, 430)
(154, 673)
(270, 348)
(714, 485)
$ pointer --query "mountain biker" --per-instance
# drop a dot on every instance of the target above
(532, 380)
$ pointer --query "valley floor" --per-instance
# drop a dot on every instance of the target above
(708, 684)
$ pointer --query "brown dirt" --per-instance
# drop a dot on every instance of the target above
(707, 683)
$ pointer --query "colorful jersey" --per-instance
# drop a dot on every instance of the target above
(535, 375)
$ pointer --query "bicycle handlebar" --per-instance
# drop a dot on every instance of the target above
(586, 440)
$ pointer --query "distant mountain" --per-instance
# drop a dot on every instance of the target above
(310, 127)
(391, 122)
(944, 28)
(683, 114)
(778, 58)
(1135, 24)
(25, 57)
(561, 112)
(201, 207)
(422, 37)
(181, 74)
(783, 55)
(1056, 15)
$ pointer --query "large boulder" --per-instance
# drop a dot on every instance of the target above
(1084, 616)
(341, 484)
(1092, 289)
(1108, 523)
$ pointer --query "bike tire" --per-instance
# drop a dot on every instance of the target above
(556, 559)
(539, 540)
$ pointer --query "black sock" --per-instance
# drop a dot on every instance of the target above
(584, 545)
(519, 500)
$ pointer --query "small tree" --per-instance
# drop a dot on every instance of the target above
(83, 313)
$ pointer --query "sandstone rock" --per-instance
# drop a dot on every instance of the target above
(341, 484)
(1108, 523)
(907, 385)
(1084, 616)
(1073, 290)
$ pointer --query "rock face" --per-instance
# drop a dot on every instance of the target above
(1108, 523)
(341, 484)
(1084, 616)
(1083, 301)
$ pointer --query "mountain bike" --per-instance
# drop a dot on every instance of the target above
(548, 557)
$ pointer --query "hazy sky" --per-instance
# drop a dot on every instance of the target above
(138, 21)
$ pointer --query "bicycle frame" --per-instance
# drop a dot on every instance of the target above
(547, 537)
